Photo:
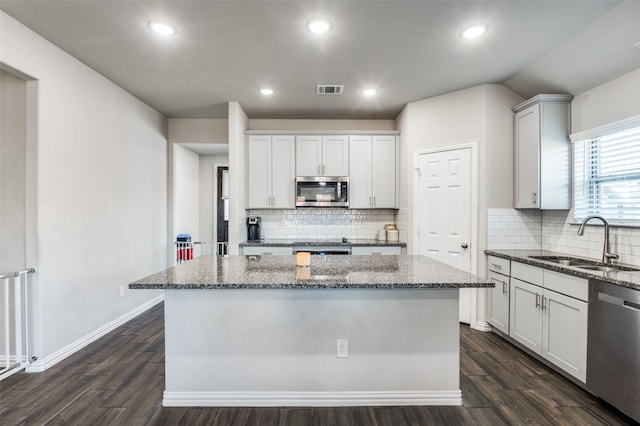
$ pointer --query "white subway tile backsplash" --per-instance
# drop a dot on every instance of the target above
(327, 224)
(554, 231)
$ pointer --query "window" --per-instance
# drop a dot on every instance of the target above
(607, 173)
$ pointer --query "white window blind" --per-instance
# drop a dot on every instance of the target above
(607, 176)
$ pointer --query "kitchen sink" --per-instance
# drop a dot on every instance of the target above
(589, 265)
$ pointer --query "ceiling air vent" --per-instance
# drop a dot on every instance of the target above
(329, 89)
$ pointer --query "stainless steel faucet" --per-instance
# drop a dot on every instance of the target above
(606, 255)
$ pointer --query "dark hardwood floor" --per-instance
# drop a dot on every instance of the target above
(119, 380)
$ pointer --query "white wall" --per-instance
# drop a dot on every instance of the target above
(480, 114)
(13, 157)
(613, 101)
(238, 123)
(198, 130)
(101, 191)
(186, 192)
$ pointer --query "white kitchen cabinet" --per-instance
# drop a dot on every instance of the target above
(525, 322)
(373, 172)
(270, 172)
(376, 250)
(552, 324)
(564, 333)
(498, 302)
(318, 155)
(542, 153)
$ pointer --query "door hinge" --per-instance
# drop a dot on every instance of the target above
(418, 171)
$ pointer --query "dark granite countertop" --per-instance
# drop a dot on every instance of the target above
(280, 272)
(321, 242)
(630, 279)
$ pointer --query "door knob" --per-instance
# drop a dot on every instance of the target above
(464, 245)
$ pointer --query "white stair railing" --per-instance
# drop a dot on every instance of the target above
(14, 322)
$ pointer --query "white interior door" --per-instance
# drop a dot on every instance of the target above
(444, 212)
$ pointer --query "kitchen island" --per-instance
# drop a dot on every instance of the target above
(259, 331)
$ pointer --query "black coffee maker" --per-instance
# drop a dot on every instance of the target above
(253, 228)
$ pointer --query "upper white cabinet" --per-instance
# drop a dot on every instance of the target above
(270, 172)
(318, 155)
(542, 153)
(372, 172)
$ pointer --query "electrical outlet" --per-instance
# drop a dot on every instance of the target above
(122, 291)
(342, 348)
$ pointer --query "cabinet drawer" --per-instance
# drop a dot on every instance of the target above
(500, 265)
(527, 273)
(258, 251)
(569, 285)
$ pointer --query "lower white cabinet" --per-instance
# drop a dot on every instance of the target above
(526, 315)
(376, 250)
(498, 302)
(550, 324)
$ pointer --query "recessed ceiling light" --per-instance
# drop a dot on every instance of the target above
(266, 91)
(319, 25)
(370, 92)
(162, 28)
(474, 31)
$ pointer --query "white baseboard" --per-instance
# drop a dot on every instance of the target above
(43, 363)
(309, 399)
(482, 326)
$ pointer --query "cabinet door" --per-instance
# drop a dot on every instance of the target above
(498, 302)
(360, 196)
(258, 172)
(527, 154)
(283, 172)
(308, 149)
(384, 172)
(565, 333)
(525, 318)
(335, 156)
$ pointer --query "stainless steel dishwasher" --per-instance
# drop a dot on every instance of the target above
(613, 348)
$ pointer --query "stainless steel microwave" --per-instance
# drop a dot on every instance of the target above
(322, 191)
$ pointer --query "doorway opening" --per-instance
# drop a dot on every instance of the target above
(222, 210)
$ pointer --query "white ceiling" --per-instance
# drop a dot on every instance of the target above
(226, 50)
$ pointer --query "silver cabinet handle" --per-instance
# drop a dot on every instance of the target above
(374, 201)
(544, 303)
(370, 202)
(464, 245)
(537, 300)
(504, 287)
(496, 266)
(323, 170)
